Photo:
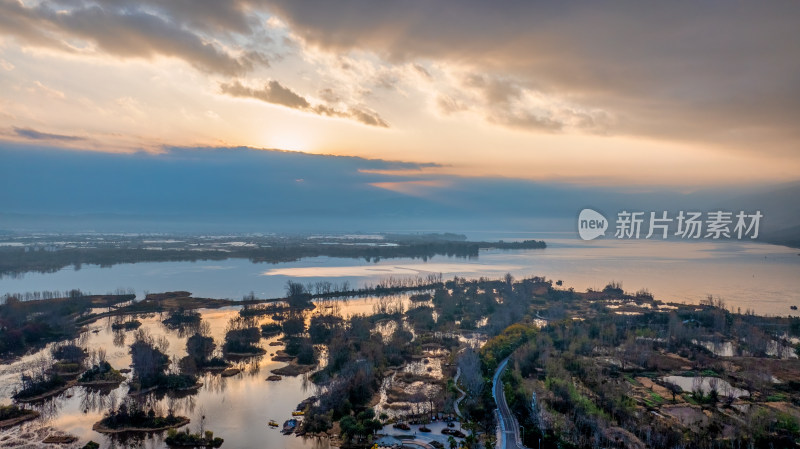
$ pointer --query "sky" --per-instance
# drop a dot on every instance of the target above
(665, 94)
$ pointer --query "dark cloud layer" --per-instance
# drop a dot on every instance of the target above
(275, 93)
(716, 71)
(32, 134)
(129, 29)
(259, 190)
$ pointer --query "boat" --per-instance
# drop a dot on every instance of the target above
(793, 307)
(298, 413)
(273, 423)
(289, 426)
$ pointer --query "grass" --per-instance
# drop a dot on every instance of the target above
(632, 381)
(654, 400)
(776, 397)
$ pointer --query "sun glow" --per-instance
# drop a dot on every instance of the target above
(290, 139)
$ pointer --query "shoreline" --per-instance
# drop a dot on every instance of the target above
(101, 428)
(32, 414)
(48, 394)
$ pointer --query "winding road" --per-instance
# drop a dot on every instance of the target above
(508, 435)
(463, 393)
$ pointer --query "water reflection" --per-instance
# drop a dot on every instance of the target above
(237, 408)
(96, 399)
(747, 275)
(119, 338)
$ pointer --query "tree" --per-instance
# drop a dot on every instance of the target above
(673, 388)
(294, 325)
(349, 427)
(471, 376)
(296, 294)
(200, 348)
(148, 360)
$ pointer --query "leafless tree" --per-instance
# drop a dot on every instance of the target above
(471, 375)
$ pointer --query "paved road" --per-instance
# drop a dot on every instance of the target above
(508, 426)
(463, 394)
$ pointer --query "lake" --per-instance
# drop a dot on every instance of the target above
(761, 277)
(747, 275)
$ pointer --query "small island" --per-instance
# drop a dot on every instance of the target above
(41, 386)
(128, 325)
(101, 374)
(131, 417)
(182, 317)
(241, 340)
(187, 439)
(11, 415)
(150, 364)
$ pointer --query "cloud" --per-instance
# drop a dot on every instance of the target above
(5, 65)
(132, 30)
(32, 134)
(48, 91)
(506, 103)
(418, 188)
(365, 116)
(275, 93)
(713, 73)
(423, 71)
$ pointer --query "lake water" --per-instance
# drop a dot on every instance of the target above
(765, 278)
(236, 408)
(747, 275)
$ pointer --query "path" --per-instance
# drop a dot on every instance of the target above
(508, 426)
(463, 394)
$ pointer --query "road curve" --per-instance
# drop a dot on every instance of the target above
(508, 426)
(457, 403)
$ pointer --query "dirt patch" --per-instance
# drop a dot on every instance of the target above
(228, 372)
(60, 439)
(408, 378)
(101, 383)
(686, 415)
(655, 388)
(785, 407)
(668, 362)
(397, 394)
(785, 370)
(624, 438)
(259, 351)
(282, 356)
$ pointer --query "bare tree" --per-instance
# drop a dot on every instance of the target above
(673, 388)
(471, 375)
